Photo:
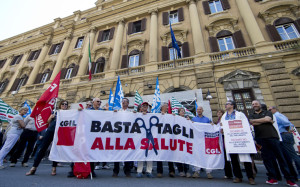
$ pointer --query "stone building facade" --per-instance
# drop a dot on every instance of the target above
(236, 49)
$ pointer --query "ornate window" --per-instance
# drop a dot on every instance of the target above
(215, 6)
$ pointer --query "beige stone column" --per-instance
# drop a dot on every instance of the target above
(84, 63)
(196, 28)
(252, 27)
(153, 42)
(117, 46)
(17, 69)
(38, 64)
(61, 56)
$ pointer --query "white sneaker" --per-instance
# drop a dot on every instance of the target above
(188, 175)
(2, 167)
(97, 167)
(182, 174)
(12, 165)
(24, 165)
(105, 167)
(196, 175)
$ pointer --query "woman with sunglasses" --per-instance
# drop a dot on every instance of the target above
(47, 139)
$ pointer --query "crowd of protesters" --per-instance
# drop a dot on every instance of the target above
(271, 132)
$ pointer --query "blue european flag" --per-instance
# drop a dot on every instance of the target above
(156, 99)
(29, 109)
(174, 42)
(111, 100)
(118, 95)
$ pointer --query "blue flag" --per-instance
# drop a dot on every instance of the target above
(196, 106)
(156, 99)
(111, 100)
(118, 95)
(29, 109)
(174, 43)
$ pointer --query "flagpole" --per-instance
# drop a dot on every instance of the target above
(174, 56)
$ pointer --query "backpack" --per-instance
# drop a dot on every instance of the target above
(82, 170)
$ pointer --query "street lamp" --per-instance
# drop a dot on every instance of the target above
(208, 96)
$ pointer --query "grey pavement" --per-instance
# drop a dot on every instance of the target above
(14, 177)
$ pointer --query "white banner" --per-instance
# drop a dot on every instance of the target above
(238, 137)
(106, 136)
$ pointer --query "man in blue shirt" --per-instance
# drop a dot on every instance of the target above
(201, 119)
(287, 144)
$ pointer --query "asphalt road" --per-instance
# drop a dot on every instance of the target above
(14, 177)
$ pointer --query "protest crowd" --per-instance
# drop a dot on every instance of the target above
(271, 131)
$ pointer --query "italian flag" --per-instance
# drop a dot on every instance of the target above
(90, 63)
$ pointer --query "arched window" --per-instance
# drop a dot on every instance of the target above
(134, 58)
(45, 76)
(173, 52)
(69, 72)
(99, 65)
(286, 28)
(225, 40)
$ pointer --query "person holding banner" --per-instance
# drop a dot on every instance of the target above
(164, 110)
(47, 139)
(201, 119)
(269, 140)
(125, 103)
(183, 168)
(17, 126)
(28, 137)
(144, 110)
(227, 167)
(232, 114)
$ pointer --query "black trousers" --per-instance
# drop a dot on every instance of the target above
(227, 166)
(29, 137)
(160, 167)
(126, 168)
(237, 169)
(47, 139)
(182, 167)
(271, 147)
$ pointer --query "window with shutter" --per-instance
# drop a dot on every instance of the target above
(225, 4)
(130, 27)
(287, 31)
(2, 62)
(38, 78)
(137, 27)
(185, 50)
(213, 44)
(206, 8)
(75, 71)
(69, 73)
(143, 24)
(15, 60)
(273, 33)
(33, 55)
(239, 39)
(165, 53)
(57, 48)
(180, 14)
(37, 54)
(44, 77)
(226, 43)
(173, 53)
(79, 42)
(15, 84)
(165, 18)
(124, 62)
(111, 34)
(63, 73)
(215, 6)
(173, 17)
(99, 66)
(100, 36)
(19, 59)
(105, 35)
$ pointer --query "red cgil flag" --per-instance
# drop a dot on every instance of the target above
(44, 107)
(169, 108)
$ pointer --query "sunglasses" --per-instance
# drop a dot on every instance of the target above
(66, 104)
(227, 104)
(88, 105)
(98, 101)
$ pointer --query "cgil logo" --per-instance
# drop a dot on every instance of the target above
(212, 145)
(66, 133)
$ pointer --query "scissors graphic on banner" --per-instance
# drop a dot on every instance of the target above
(149, 135)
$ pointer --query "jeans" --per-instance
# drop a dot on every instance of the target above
(26, 136)
(271, 147)
(287, 146)
(47, 139)
(11, 140)
(160, 167)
